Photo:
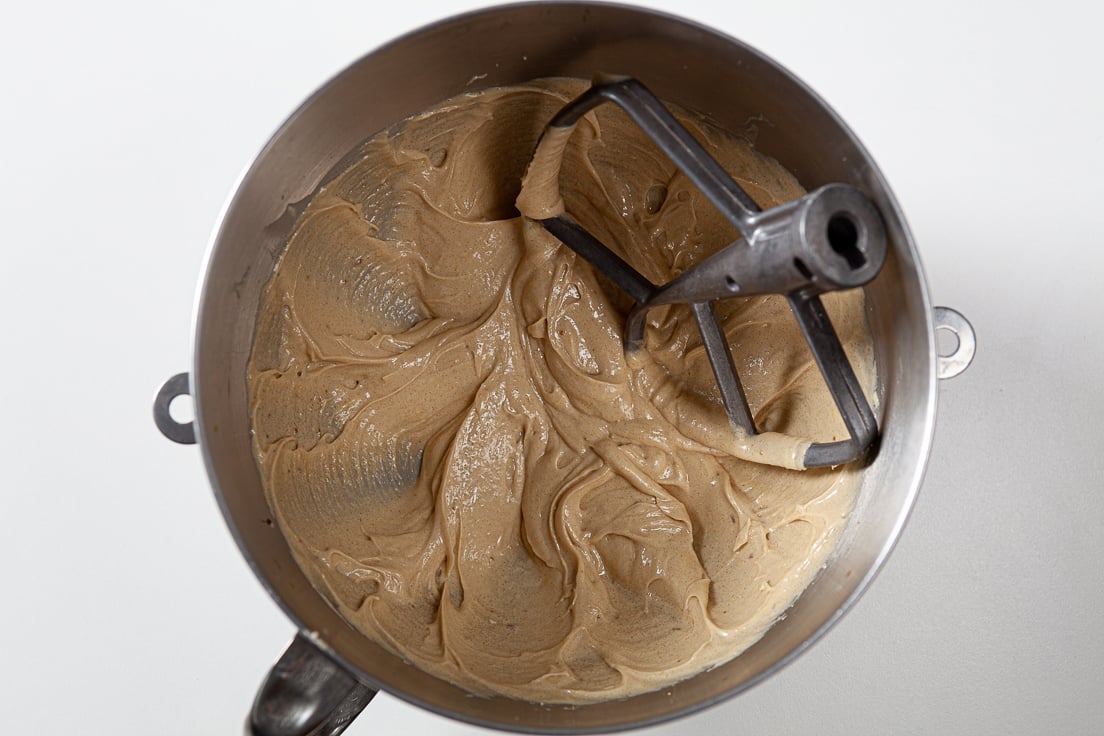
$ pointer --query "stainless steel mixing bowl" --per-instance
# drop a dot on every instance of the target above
(682, 62)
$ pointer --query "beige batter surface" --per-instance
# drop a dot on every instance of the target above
(457, 450)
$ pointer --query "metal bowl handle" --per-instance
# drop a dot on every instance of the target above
(306, 693)
(182, 432)
(958, 360)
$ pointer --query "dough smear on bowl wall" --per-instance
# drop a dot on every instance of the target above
(460, 455)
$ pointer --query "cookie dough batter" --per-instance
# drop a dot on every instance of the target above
(460, 456)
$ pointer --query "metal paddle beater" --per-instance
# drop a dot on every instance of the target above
(830, 239)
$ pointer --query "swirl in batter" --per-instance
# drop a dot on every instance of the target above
(461, 457)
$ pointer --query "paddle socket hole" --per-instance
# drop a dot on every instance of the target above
(843, 236)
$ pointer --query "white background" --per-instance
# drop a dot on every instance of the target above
(125, 607)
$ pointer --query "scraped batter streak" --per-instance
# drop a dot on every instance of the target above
(457, 450)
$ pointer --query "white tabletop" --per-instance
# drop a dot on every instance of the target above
(126, 607)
